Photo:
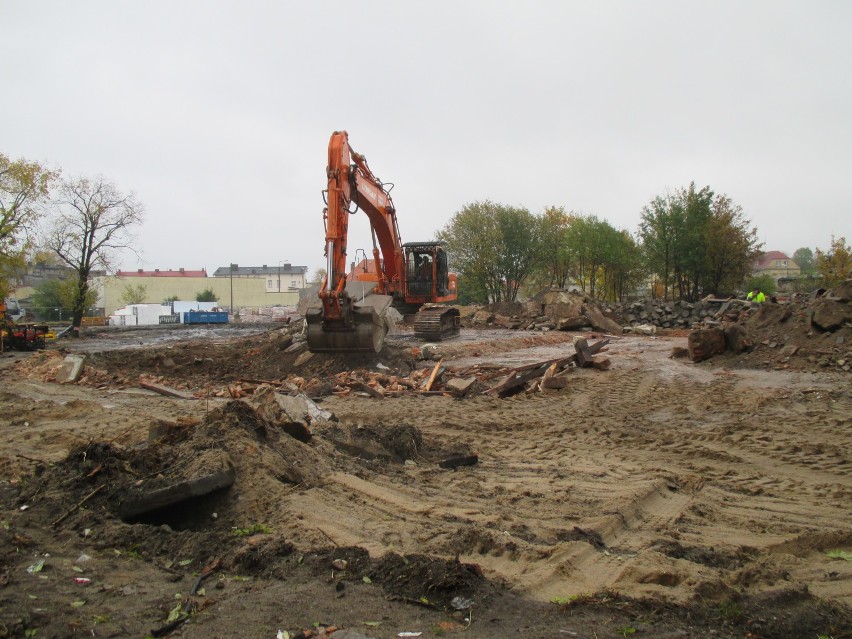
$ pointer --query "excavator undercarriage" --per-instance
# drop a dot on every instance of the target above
(437, 323)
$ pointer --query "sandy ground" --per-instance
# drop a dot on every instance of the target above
(659, 498)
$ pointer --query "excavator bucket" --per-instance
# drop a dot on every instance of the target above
(365, 333)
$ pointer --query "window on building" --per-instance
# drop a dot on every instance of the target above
(268, 283)
(293, 284)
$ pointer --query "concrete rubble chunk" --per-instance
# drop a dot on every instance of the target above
(829, 315)
(601, 363)
(294, 415)
(557, 382)
(71, 370)
(302, 358)
(705, 343)
(296, 347)
(737, 339)
(460, 385)
(211, 472)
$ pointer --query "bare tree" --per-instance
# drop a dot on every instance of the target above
(92, 223)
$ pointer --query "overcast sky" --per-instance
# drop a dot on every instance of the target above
(218, 114)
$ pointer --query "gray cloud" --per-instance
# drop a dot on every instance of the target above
(218, 114)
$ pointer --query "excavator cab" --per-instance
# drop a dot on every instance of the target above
(426, 271)
(428, 280)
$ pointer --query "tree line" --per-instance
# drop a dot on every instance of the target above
(689, 243)
(80, 222)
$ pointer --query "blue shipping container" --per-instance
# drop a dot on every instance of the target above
(205, 317)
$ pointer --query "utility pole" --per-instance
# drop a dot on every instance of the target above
(233, 268)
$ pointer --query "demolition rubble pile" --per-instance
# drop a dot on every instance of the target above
(549, 310)
(812, 331)
(576, 311)
(235, 370)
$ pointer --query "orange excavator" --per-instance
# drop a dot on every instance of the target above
(23, 336)
(411, 277)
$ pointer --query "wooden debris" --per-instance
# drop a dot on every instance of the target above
(361, 387)
(434, 374)
(581, 348)
(165, 390)
(78, 505)
(461, 460)
(518, 378)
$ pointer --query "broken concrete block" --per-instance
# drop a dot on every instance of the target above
(72, 368)
(554, 383)
(736, 338)
(291, 414)
(601, 363)
(829, 315)
(213, 471)
(705, 343)
(460, 385)
(572, 323)
(483, 317)
(599, 321)
(302, 358)
(644, 329)
(296, 347)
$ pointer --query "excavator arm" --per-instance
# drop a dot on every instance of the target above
(342, 324)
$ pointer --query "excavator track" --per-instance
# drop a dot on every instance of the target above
(437, 323)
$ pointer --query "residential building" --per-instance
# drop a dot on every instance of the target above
(777, 265)
(278, 279)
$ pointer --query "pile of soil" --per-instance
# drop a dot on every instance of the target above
(803, 333)
(662, 498)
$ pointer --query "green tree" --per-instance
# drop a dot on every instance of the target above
(730, 245)
(93, 221)
(134, 294)
(804, 257)
(660, 232)
(764, 283)
(207, 295)
(556, 258)
(24, 187)
(318, 277)
(835, 265)
(605, 262)
(53, 299)
(697, 242)
(493, 247)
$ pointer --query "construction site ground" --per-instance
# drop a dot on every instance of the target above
(658, 498)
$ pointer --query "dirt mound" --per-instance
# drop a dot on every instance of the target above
(204, 367)
(801, 334)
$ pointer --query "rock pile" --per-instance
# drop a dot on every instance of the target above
(680, 314)
(549, 310)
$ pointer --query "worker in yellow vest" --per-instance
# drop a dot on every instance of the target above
(756, 296)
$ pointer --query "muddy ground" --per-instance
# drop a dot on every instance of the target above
(659, 498)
